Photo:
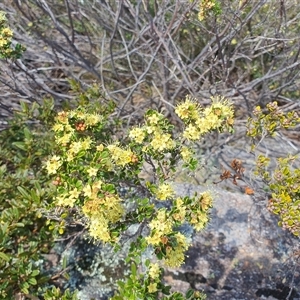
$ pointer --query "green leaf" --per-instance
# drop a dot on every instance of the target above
(24, 288)
(35, 197)
(4, 256)
(24, 193)
(64, 262)
(133, 269)
(189, 293)
(20, 145)
(147, 262)
(27, 134)
(35, 273)
(32, 281)
(24, 106)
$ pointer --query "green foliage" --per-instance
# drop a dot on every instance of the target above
(57, 294)
(284, 184)
(283, 180)
(136, 287)
(149, 285)
(264, 124)
(6, 51)
(24, 236)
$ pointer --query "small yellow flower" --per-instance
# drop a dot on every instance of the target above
(63, 117)
(154, 239)
(65, 139)
(53, 164)
(69, 201)
(74, 193)
(152, 287)
(150, 129)
(65, 200)
(203, 125)
(60, 200)
(100, 148)
(98, 228)
(70, 156)
(87, 191)
(119, 155)
(97, 184)
(58, 127)
(153, 120)
(92, 171)
(199, 220)
(3, 42)
(162, 141)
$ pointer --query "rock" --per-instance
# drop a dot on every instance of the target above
(242, 254)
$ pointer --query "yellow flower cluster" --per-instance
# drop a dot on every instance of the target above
(76, 147)
(138, 135)
(101, 211)
(66, 126)
(198, 215)
(162, 141)
(151, 135)
(154, 273)
(63, 119)
(164, 191)
(98, 228)
(188, 110)
(186, 153)
(160, 227)
(175, 255)
(200, 121)
(120, 156)
(180, 212)
(205, 7)
(53, 164)
(68, 199)
(195, 212)
(92, 171)
(5, 35)
(199, 220)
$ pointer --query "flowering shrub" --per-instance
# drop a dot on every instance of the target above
(93, 165)
(283, 180)
(24, 192)
(6, 34)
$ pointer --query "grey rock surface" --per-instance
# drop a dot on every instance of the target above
(242, 254)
